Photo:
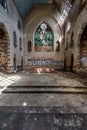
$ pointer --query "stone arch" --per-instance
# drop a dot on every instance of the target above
(83, 50)
(46, 43)
(45, 23)
(43, 19)
(79, 64)
(81, 32)
(4, 48)
(34, 23)
(79, 27)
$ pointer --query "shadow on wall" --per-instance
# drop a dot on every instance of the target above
(4, 48)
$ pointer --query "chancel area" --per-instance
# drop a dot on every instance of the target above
(43, 64)
(50, 33)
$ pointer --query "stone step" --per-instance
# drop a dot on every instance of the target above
(46, 89)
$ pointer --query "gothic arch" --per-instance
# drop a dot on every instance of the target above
(79, 27)
(83, 49)
(4, 48)
(43, 37)
(80, 56)
(81, 32)
(46, 24)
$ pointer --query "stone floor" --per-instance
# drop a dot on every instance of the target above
(21, 81)
(42, 79)
(42, 111)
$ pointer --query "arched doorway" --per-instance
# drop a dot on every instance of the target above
(4, 49)
(43, 38)
(83, 50)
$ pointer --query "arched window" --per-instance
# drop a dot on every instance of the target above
(20, 41)
(58, 46)
(19, 25)
(14, 39)
(4, 4)
(29, 47)
(43, 38)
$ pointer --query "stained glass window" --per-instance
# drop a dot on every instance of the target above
(43, 36)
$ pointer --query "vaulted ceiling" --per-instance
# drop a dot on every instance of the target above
(25, 5)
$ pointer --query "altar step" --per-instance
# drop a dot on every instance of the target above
(46, 89)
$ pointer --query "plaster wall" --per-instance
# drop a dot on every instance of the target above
(10, 20)
(33, 20)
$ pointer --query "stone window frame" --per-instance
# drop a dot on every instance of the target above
(51, 31)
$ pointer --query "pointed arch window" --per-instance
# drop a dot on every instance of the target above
(19, 25)
(29, 46)
(43, 38)
(58, 46)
